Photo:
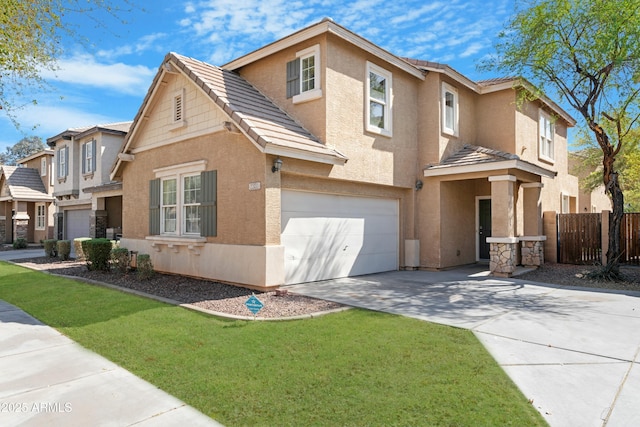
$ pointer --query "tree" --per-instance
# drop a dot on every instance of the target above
(589, 52)
(31, 35)
(23, 148)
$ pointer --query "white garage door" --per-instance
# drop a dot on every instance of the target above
(76, 224)
(329, 236)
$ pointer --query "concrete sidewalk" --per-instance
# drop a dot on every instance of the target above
(46, 379)
(573, 352)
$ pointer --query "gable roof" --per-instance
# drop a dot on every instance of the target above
(267, 126)
(473, 158)
(24, 184)
(118, 128)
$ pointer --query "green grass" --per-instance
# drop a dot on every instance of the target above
(351, 368)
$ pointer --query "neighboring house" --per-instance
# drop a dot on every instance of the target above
(89, 203)
(26, 200)
(588, 201)
(322, 155)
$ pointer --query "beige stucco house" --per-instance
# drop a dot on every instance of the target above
(589, 201)
(322, 155)
(26, 200)
(89, 204)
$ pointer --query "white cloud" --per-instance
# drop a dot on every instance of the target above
(143, 44)
(472, 49)
(119, 77)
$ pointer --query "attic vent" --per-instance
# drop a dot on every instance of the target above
(177, 108)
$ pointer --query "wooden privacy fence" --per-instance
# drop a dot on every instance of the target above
(579, 238)
(582, 238)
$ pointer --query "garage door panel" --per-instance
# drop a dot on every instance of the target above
(77, 223)
(328, 236)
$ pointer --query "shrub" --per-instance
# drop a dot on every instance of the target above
(19, 243)
(77, 246)
(120, 259)
(51, 248)
(97, 253)
(145, 267)
(64, 249)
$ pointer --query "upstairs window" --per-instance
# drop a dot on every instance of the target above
(43, 166)
(546, 132)
(303, 75)
(378, 100)
(63, 162)
(89, 157)
(449, 109)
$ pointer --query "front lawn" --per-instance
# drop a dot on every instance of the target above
(351, 368)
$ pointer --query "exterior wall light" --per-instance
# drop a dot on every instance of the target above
(419, 185)
(277, 165)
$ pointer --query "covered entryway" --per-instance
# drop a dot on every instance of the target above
(329, 236)
(76, 223)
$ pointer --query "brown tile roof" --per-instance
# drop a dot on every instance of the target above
(25, 183)
(473, 155)
(252, 111)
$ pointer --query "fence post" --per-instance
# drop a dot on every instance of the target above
(550, 229)
(604, 224)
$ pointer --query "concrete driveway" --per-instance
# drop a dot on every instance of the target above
(573, 352)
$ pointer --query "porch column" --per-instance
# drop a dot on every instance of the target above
(98, 224)
(20, 221)
(503, 241)
(533, 239)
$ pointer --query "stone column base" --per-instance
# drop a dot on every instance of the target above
(502, 253)
(532, 251)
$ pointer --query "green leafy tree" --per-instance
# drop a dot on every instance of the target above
(588, 51)
(31, 41)
(23, 148)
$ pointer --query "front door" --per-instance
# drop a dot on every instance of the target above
(484, 227)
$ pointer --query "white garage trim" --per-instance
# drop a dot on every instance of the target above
(328, 236)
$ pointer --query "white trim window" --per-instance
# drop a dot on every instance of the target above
(63, 161)
(303, 75)
(89, 157)
(181, 199)
(378, 100)
(546, 133)
(43, 166)
(565, 204)
(450, 109)
(41, 215)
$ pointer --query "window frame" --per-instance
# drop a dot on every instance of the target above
(302, 95)
(455, 110)
(88, 160)
(546, 147)
(43, 166)
(41, 218)
(179, 173)
(63, 167)
(387, 103)
(564, 197)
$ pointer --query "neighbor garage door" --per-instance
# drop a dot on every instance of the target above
(329, 236)
(76, 223)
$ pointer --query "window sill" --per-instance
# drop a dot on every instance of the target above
(178, 125)
(307, 96)
(379, 131)
(546, 159)
(450, 132)
(174, 244)
(87, 176)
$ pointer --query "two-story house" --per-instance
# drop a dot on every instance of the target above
(26, 200)
(322, 155)
(88, 202)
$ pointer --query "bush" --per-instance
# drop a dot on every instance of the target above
(51, 248)
(120, 259)
(97, 253)
(77, 246)
(145, 267)
(64, 249)
(20, 243)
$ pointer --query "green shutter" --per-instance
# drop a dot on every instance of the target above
(208, 204)
(83, 158)
(293, 78)
(154, 207)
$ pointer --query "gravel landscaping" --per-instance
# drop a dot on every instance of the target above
(230, 300)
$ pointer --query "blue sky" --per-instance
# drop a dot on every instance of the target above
(105, 79)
